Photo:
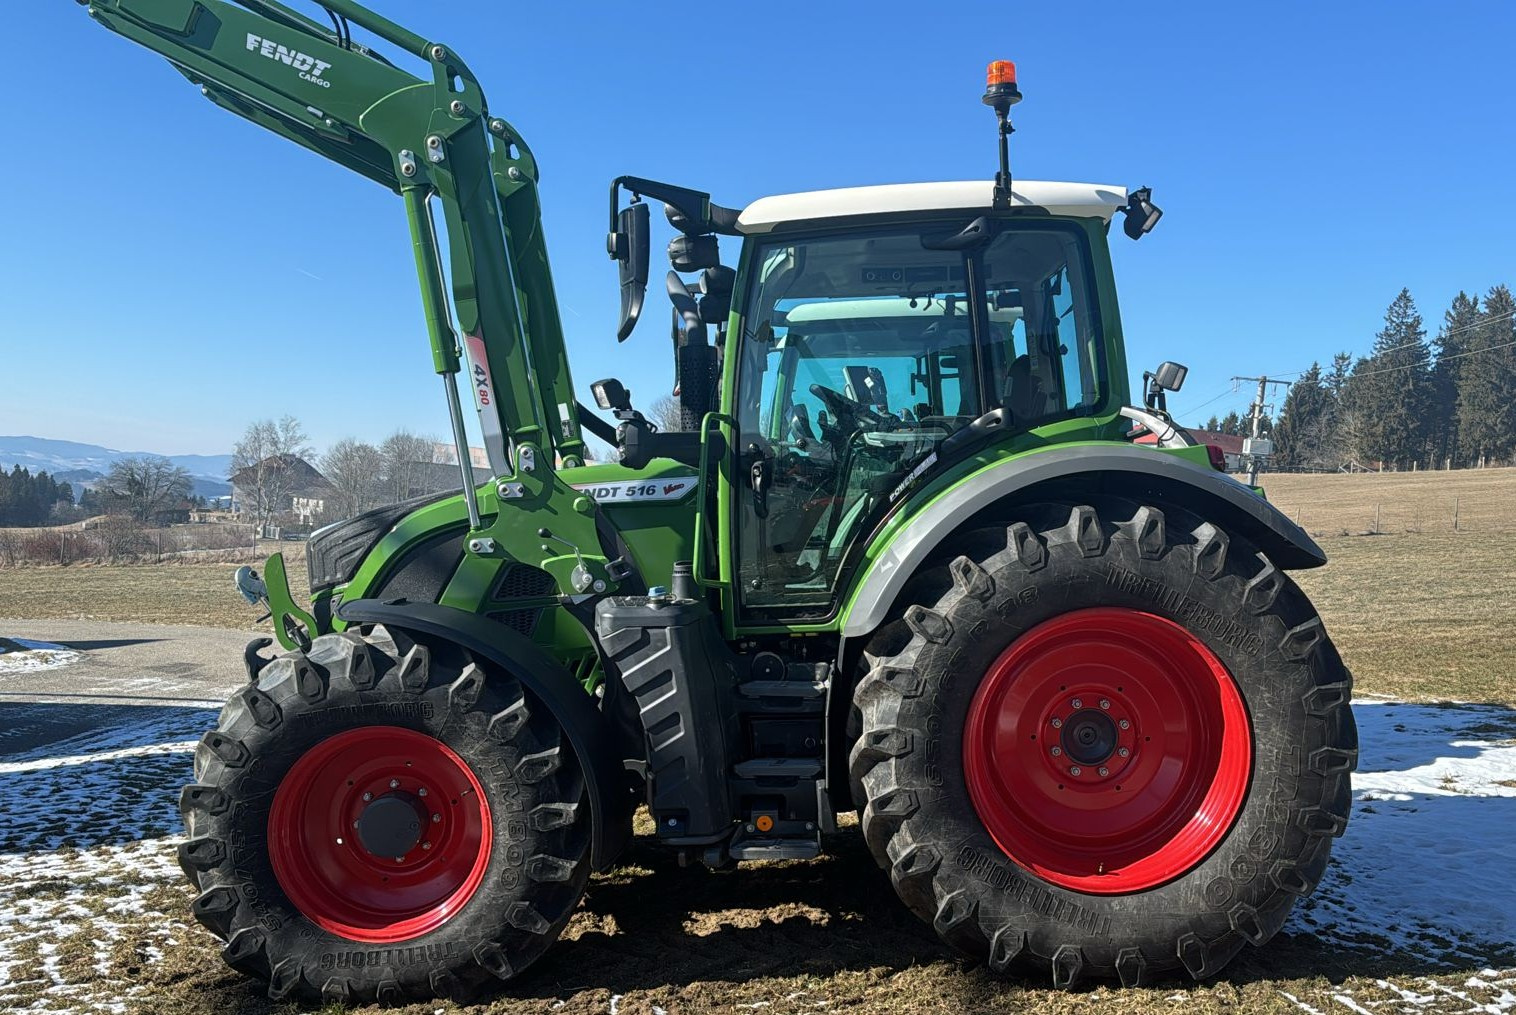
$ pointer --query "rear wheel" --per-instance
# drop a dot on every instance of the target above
(376, 819)
(1108, 740)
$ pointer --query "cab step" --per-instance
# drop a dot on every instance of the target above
(778, 768)
(776, 849)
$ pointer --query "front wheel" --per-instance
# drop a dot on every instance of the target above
(1108, 740)
(377, 819)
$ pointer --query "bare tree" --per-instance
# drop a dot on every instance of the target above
(353, 468)
(664, 414)
(148, 485)
(405, 459)
(262, 463)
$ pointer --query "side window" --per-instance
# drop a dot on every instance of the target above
(1077, 338)
(1036, 287)
(1068, 336)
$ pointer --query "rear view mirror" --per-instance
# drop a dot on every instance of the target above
(629, 246)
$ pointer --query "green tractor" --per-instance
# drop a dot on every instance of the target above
(905, 558)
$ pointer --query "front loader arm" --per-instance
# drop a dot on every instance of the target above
(432, 141)
(313, 85)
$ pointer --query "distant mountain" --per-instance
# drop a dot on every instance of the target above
(87, 464)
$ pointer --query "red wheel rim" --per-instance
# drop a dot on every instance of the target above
(1107, 751)
(371, 790)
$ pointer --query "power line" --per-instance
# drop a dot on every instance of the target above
(1406, 345)
(1456, 355)
(1405, 366)
(1229, 391)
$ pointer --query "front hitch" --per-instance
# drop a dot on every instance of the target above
(293, 626)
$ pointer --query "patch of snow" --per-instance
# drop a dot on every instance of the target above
(1301, 1004)
(1351, 1005)
(141, 751)
(1423, 867)
(36, 656)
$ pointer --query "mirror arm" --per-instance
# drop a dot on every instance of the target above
(595, 425)
(694, 205)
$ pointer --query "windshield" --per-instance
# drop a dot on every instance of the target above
(862, 352)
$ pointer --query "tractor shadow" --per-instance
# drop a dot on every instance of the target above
(87, 775)
(1408, 892)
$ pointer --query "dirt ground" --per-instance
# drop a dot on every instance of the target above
(1416, 914)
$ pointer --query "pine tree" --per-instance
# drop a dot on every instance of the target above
(1487, 383)
(1389, 394)
(1213, 424)
(1458, 326)
(1232, 424)
(1337, 380)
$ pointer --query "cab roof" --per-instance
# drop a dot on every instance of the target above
(1083, 200)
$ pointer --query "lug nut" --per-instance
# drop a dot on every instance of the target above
(1105, 703)
(1076, 770)
(1104, 771)
(1123, 751)
(421, 791)
(1057, 723)
(1078, 703)
(400, 859)
(436, 819)
(426, 845)
(394, 784)
(1056, 751)
(368, 796)
(1124, 724)
(355, 824)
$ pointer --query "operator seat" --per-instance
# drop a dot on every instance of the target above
(1024, 396)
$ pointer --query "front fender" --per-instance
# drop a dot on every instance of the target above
(1116, 469)
(583, 725)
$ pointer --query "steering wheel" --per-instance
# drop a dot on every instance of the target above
(843, 406)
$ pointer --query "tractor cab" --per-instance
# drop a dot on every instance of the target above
(887, 332)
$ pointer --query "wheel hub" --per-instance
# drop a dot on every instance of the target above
(391, 826)
(1089, 737)
(1107, 750)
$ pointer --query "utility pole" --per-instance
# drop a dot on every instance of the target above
(1255, 449)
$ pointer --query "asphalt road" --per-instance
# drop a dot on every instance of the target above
(118, 665)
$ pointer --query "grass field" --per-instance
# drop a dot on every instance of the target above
(175, 592)
(1420, 611)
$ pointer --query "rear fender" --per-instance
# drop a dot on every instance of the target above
(587, 731)
(1115, 470)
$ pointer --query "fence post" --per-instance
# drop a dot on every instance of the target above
(1376, 518)
(61, 536)
(1455, 514)
(160, 547)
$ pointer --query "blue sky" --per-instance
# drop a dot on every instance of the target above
(172, 273)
